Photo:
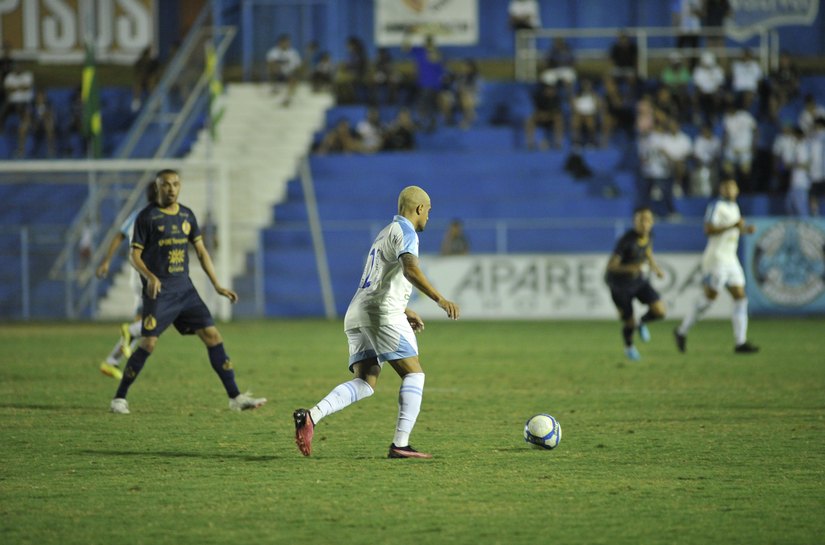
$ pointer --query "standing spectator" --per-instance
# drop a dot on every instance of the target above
(817, 146)
(547, 115)
(739, 141)
(686, 17)
(587, 110)
(714, 13)
(707, 150)
(782, 85)
(796, 202)
(430, 73)
(667, 104)
(455, 240)
(624, 55)
(784, 146)
(283, 64)
(386, 79)
(677, 147)
(676, 77)
(322, 73)
(645, 115)
(146, 71)
(746, 75)
(524, 15)
(810, 111)
(619, 110)
(352, 77)
(43, 122)
(19, 86)
(560, 63)
(655, 170)
(709, 79)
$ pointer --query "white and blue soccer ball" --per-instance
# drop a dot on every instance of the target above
(542, 431)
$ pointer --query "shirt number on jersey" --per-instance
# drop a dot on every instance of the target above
(369, 270)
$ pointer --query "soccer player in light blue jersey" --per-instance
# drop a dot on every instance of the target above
(380, 328)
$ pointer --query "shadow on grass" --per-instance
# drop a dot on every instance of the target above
(178, 454)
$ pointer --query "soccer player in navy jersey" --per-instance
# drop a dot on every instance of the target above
(627, 281)
(162, 234)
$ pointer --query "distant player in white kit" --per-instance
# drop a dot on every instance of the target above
(380, 328)
(721, 267)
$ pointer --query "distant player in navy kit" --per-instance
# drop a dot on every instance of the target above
(162, 233)
(627, 281)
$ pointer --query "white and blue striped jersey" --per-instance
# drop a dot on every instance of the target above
(127, 228)
(383, 292)
(721, 248)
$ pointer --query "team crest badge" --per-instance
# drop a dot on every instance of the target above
(185, 227)
(149, 323)
(161, 228)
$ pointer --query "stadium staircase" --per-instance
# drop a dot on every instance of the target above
(261, 142)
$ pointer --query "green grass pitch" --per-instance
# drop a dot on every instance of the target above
(705, 447)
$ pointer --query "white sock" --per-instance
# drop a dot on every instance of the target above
(409, 405)
(740, 320)
(134, 329)
(114, 356)
(702, 304)
(341, 396)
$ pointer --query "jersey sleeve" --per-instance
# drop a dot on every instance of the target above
(141, 230)
(621, 246)
(128, 225)
(406, 242)
(194, 229)
(712, 213)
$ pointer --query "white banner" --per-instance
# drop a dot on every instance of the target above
(452, 22)
(55, 31)
(552, 286)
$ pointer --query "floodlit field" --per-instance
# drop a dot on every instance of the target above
(706, 447)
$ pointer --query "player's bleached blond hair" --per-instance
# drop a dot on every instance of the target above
(410, 197)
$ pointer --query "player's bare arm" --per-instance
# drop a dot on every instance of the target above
(415, 275)
(711, 229)
(209, 269)
(153, 284)
(415, 320)
(653, 265)
(103, 268)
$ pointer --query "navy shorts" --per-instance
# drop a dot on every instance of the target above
(183, 308)
(623, 295)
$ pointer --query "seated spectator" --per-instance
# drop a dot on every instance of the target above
(714, 13)
(810, 111)
(322, 73)
(455, 241)
(283, 65)
(370, 131)
(739, 141)
(624, 56)
(400, 135)
(547, 114)
(746, 74)
(678, 148)
(352, 76)
(619, 110)
(783, 156)
(586, 109)
(645, 115)
(43, 122)
(665, 102)
(340, 139)
(560, 63)
(19, 87)
(676, 77)
(524, 15)
(709, 79)
(707, 150)
(146, 72)
(466, 87)
(386, 79)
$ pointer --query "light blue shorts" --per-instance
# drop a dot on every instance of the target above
(386, 343)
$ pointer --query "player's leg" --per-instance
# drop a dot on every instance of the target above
(655, 309)
(739, 320)
(363, 362)
(134, 366)
(410, 396)
(623, 299)
(703, 302)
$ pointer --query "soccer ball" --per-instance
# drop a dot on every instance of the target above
(543, 431)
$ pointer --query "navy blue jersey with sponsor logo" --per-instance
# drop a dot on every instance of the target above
(632, 249)
(164, 238)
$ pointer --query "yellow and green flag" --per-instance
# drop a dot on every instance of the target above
(215, 89)
(90, 95)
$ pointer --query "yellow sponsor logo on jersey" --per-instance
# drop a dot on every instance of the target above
(185, 227)
(149, 323)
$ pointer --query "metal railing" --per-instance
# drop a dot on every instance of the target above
(528, 55)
